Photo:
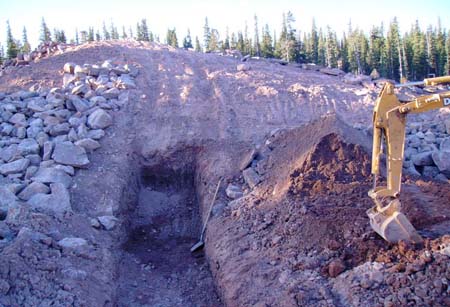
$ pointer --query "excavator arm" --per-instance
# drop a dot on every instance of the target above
(389, 124)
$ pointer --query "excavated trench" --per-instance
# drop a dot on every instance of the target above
(156, 267)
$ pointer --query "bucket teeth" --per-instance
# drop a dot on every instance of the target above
(393, 226)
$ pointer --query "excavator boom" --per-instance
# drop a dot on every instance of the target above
(389, 123)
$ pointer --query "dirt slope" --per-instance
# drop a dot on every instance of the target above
(192, 119)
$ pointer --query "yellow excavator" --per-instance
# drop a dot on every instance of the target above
(389, 122)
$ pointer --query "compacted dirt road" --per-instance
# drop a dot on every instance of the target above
(298, 237)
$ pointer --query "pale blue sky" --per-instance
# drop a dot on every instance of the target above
(180, 14)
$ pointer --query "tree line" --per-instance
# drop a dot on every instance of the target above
(413, 55)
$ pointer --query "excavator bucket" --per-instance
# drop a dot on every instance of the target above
(393, 226)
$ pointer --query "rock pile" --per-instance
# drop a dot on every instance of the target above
(45, 134)
(43, 50)
(427, 150)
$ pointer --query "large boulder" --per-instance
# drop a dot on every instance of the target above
(33, 189)
(99, 119)
(14, 167)
(28, 147)
(52, 175)
(251, 177)
(422, 159)
(442, 161)
(69, 154)
(56, 202)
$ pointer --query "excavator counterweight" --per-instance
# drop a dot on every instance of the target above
(389, 123)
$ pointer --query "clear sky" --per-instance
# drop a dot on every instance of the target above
(183, 14)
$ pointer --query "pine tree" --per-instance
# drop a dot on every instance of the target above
(313, 47)
(11, 44)
(240, 45)
(440, 49)
(266, 43)
(214, 40)
(206, 34)
(321, 49)
(447, 48)
(77, 40)
(106, 34)
(2, 54)
(233, 41)
(286, 47)
(144, 30)
(419, 61)
(26, 47)
(392, 47)
(171, 38)
(91, 35)
(198, 47)
(45, 35)
(187, 41)
(226, 43)
(124, 33)
(431, 53)
(98, 37)
(257, 46)
(331, 50)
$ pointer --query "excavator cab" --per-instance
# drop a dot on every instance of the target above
(389, 124)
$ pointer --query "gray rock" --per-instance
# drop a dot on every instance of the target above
(88, 144)
(107, 221)
(52, 175)
(28, 147)
(59, 129)
(243, 67)
(247, 159)
(21, 132)
(76, 121)
(66, 168)
(99, 119)
(125, 82)
(447, 125)
(430, 171)
(18, 119)
(30, 172)
(79, 104)
(82, 131)
(73, 243)
(72, 136)
(69, 154)
(251, 177)
(48, 149)
(233, 191)
(422, 159)
(37, 104)
(111, 93)
(56, 202)
(33, 189)
(4, 287)
(74, 274)
(33, 131)
(442, 178)
(445, 145)
(69, 68)
(442, 161)
(6, 197)
(9, 153)
(80, 89)
(34, 159)
(15, 167)
(96, 134)
(98, 100)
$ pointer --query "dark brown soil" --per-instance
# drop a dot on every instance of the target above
(157, 268)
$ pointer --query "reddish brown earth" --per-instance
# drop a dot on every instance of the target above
(299, 238)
